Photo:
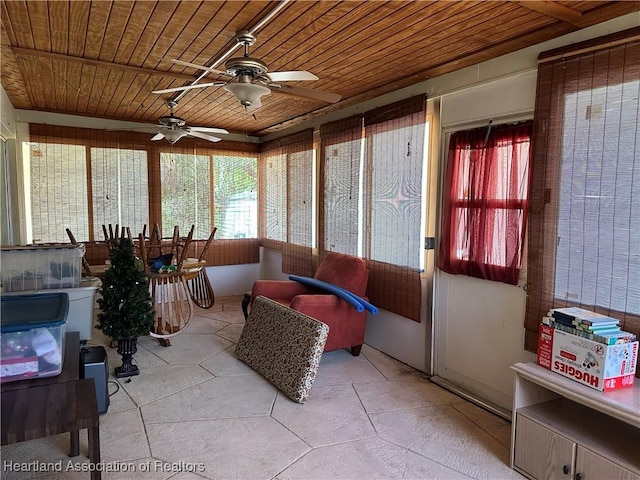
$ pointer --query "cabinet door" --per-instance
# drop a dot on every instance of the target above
(541, 453)
(591, 466)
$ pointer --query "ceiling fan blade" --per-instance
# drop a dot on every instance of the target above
(207, 129)
(309, 93)
(203, 136)
(202, 67)
(291, 76)
(158, 136)
(189, 87)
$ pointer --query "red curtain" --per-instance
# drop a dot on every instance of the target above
(486, 202)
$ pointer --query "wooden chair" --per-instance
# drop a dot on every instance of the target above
(113, 233)
(200, 287)
(169, 293)
(85, 264)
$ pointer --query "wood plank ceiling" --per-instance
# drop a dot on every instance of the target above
(103, 59)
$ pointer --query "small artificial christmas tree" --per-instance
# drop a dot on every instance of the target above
(126, 311)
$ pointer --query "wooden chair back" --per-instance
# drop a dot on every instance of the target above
(85, 264)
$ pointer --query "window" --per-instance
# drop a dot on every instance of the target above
(486, 202)
(597, 263)
(60, 194)
(275, 181)
(287, 176)
(119, 189)
(210, 191)
(186, 193)
(235, 197)
(343, 149)
(396, 153)
(58, 199)
(372, 196)
(585, 203)
(301, 195)
(82, 179)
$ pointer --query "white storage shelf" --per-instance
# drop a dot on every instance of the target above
(564, 430)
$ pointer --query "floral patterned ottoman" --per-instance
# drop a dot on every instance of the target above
(284, 346)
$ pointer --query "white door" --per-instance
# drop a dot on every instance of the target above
(479, 324)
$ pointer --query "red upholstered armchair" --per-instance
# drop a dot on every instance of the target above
(346, 325)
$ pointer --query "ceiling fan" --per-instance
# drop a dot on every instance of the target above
(174, 128)
(249, 79)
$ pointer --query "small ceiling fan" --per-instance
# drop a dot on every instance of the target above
(249, 79)
(174, 128)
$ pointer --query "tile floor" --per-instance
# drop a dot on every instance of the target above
(196, 412)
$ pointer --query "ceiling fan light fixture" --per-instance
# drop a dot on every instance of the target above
(247, 93)
(173, 136)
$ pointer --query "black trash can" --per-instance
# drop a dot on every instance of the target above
(94, 364)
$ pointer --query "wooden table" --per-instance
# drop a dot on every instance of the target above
(41, 407)
(191, 268)
(70, 367)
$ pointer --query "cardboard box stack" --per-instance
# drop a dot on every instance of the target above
(587, 347)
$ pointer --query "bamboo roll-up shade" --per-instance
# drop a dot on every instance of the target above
(118, 184)
(394, 288)
(399, 109)
(286, 198)
(295, 142)
(227, 252)
(340, 185)
(235, 195)
(233, 252)
(395, 139)
(58, 193)
(298, 260)
(273, 195)
(584, 247)
(186, 196)
(297, 257)
(395, 157)
(88, 136)
(84, 178)
(300, 202)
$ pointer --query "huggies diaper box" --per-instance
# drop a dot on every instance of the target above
(599, 366)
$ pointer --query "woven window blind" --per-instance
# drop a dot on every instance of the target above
(341, 145)
(119, 188)
(95, 177)
(186, 193)
(371, 198)
(287, 204)
(585, 200)
(300, 194)
(273, 180)
(235, 196)
(395, 140)
(58, 184)
(297, 253)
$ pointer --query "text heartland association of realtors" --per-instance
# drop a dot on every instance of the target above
(69, 466)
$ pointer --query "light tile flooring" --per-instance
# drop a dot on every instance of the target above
(196, 412)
